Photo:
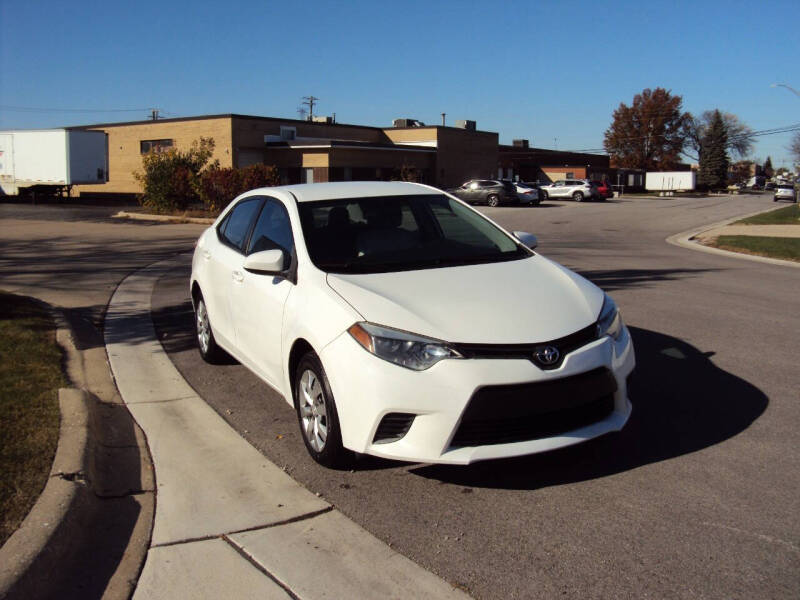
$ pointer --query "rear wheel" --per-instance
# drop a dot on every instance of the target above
(209, 350)
(543, 196)
(493, 200)
(316, 414)
(577, 196)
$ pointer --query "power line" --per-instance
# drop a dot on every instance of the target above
(72, 110)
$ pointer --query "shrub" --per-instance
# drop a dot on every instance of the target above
(170, 178)
(217, 187)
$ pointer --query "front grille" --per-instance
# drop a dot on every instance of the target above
(502, 414)
(393, 427)
(565, 345)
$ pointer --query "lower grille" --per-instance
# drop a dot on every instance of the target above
(393, 427)
(503, 414)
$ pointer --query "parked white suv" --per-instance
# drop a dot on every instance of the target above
(577, 189)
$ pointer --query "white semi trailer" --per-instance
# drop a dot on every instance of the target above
(50, 161)
(670, 181)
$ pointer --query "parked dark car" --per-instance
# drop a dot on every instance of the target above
(487, 191)
(770, 185)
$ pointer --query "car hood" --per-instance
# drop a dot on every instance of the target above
(514, 302)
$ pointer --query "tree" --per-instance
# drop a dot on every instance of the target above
(768, 170)
(740, 141)
(649, 134)
(714, 157)
(794, 147)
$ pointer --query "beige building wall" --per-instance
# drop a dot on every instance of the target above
(124, 155)
(465, 155)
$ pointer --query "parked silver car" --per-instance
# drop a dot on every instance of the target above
(785, 191)
(577, 189)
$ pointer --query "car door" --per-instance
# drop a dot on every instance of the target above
(471, 192)
(225, 265)
(258, 300)
(557, 190)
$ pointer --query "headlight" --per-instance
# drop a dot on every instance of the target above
(610, 321)
(401, 348)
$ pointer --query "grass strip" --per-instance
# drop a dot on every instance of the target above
(773, 247)
(30, 375)
(788, 215)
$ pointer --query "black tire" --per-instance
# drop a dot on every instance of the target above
(206, 344)
(774, 198)
(314, 401)
(543, 196)
(492, 200)
(577, 196)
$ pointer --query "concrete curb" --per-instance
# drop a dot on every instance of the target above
(228, 521)
(684, 240)
(99, 487)
(163, 218)
(34, 549)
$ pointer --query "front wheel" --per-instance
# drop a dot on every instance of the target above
(493, 200)
(577, 196)
(543, 196)
(316, 414)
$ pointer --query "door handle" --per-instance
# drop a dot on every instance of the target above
(238, 276)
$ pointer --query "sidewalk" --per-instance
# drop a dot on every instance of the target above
(228, 522)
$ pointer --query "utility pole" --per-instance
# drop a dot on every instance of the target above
(309, 102)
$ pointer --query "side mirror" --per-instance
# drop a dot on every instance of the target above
(530, 240)
(267, 262)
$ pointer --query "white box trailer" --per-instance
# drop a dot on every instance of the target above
(670, 181)
(51, 160)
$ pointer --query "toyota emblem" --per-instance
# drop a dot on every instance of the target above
(547, 355)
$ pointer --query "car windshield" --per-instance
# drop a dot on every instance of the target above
(401, 233)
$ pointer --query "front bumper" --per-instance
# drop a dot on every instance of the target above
(367, 388)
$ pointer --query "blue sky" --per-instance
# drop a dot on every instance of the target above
(545, 71)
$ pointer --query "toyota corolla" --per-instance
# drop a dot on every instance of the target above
(400, 322)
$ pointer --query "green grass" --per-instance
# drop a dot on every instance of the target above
(788, 215)
(773, 247)
(30, 375)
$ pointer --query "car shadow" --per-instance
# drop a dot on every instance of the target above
(682, 403)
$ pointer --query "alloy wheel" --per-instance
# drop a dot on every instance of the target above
(313, 410)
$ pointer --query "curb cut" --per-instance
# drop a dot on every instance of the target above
(684, 240)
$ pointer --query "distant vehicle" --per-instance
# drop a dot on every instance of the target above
(51, 160)
(604, 189)
(486, 191)
(577, 189)
(527, 193)
(670, 181)
(770, 185)
(756, 182)
(785, 191)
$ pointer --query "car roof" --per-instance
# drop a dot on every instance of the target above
(312, 192)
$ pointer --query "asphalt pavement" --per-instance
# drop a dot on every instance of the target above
(696, 497)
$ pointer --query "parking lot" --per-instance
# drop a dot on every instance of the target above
(696, 497)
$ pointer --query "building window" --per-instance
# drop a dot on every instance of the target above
(146, 146)
(288, 133)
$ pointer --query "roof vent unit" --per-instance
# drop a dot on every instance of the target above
(407, 123)
(468, 125)
(326, 120)
(520, 143)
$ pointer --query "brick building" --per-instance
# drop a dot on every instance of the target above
(304, 151)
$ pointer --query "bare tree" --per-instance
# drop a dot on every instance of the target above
(794, 147)
(740, 141)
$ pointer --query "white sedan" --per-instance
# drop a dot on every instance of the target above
(400, 322)
(527, 194)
